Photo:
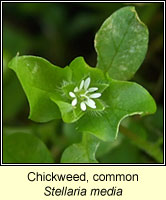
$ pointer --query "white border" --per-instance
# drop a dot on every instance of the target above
(2, 84)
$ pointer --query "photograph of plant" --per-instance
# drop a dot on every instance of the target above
(83, 83)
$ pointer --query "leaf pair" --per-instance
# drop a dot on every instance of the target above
(121, 45)
(48, 99)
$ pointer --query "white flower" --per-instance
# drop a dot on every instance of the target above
(84, 95)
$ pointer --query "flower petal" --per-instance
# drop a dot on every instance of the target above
(83, 106)
(90, 103)
(86, 83)
(92, 89)
(95, 95)
(76, 89)
(81, 84)
(74, 102)
(72, 94)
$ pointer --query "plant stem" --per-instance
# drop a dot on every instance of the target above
(146, 146)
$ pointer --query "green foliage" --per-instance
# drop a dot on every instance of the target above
(79, 70)
(121, 103)
(39, 79)
(121, 44)
(92, 102)
(83, 152)
(117, 100)
(138, 135)
(25, 148)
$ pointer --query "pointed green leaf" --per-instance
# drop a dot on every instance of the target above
(121, 44)
(123, 99)
(83, 152)
(81, 70)
(25, 148)
(40, 80)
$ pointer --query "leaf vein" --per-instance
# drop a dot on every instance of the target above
(116, 52)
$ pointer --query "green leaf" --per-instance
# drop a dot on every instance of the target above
(81, 70)
(121, 44)
(123, 99)
(25, 148)
(83, 152)
(40, 80)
